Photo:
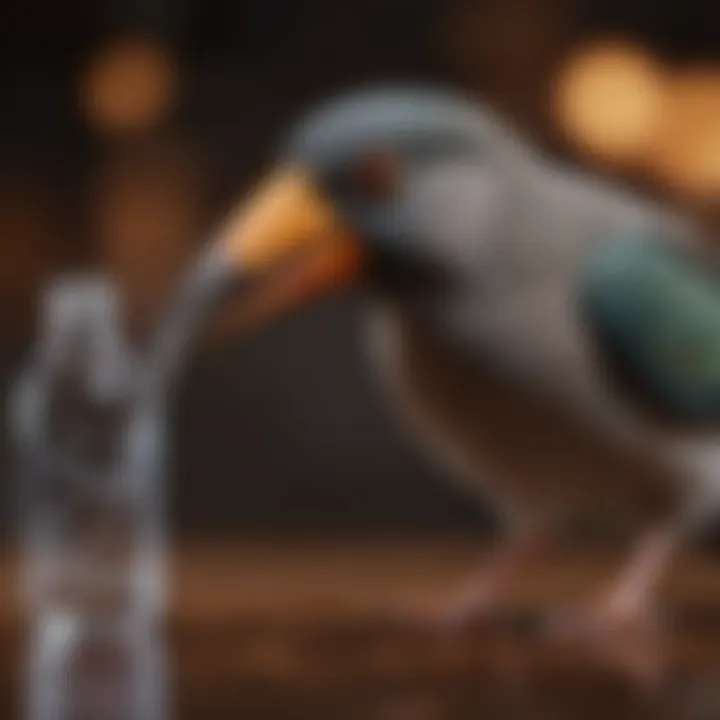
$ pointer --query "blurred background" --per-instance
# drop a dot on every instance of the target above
(127, 130)
(129, 126)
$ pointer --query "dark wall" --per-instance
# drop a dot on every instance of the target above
(285, 428)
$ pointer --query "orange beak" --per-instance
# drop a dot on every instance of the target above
(287, 239)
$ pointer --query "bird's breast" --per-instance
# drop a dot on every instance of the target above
(520, 445)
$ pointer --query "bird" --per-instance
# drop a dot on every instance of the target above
(551, 339)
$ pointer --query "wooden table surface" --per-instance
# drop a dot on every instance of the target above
(298, 629)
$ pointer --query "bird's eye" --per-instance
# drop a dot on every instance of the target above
(378, 175)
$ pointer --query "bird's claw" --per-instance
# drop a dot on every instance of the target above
(626, 638)
(460, 613)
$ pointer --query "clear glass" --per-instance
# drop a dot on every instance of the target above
(90, 461)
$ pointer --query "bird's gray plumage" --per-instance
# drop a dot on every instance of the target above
(497, 371)
(501, 378)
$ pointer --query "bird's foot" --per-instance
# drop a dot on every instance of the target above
(483, 599)
(479, 607)
(623, 630)
(474, 608)
(624, 637)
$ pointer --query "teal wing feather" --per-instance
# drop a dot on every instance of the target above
(656, 310)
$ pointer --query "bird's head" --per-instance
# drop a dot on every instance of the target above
(398, 185)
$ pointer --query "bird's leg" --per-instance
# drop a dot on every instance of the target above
(484, 593)
(621, 627)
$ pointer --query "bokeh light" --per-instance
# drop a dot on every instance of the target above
(146, 214)
(129, 86)
(686, 153)
(26, 238)
(609, 100)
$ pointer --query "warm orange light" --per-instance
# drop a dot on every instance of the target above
(686, 154)
(609, 99)
(26, 238)
(24, 230)
(146, 215)
(128, 86)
